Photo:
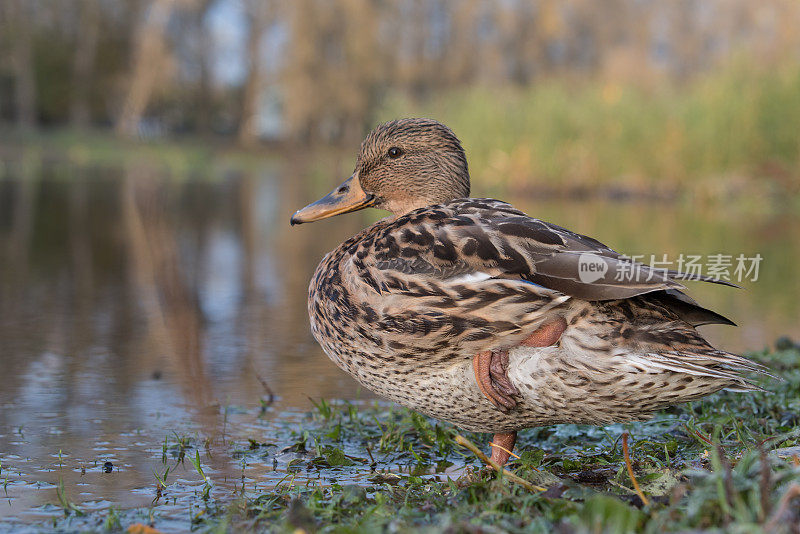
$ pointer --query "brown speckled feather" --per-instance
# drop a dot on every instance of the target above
(404, 305)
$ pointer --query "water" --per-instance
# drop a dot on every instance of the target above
(136, 307)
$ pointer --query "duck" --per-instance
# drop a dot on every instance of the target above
(469, 311)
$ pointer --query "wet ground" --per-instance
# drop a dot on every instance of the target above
(140, 311)
(175, 469)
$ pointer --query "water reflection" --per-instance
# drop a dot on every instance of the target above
(133, 304)
(183, 280)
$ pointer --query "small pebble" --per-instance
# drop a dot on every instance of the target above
(108, 467)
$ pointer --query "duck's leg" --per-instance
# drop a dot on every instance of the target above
(547, 334)
(506, 441)
(491, 368)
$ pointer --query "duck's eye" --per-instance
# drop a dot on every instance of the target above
(395, 152)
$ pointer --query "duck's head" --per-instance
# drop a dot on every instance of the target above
(402, 165)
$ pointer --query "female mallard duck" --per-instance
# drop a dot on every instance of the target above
(470, 311)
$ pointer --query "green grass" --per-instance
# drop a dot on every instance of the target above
(708, 465)
(179, 157)
(727, 463)
(732, 132)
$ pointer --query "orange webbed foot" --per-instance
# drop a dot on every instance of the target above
(490, 371)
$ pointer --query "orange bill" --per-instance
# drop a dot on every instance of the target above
(345, 198)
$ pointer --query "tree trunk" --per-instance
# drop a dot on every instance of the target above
(148, 53)
(24, 78)
(258, 11)
(204, 56)
(83, 64)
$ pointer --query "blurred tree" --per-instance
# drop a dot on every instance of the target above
(83, 65)
(259, 15)
(20, 26)
(335, 68)
(148, 60)
(204, 53)
(331, 62)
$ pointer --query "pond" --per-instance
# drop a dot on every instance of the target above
(137, 309)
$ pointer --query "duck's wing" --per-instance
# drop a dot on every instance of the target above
(470, 245)
(472, 239)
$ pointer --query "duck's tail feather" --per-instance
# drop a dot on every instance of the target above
(714, 364)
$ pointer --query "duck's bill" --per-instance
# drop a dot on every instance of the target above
(343, 199)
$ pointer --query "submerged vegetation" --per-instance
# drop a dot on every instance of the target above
(727, 462)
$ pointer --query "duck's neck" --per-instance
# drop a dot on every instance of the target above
(400, 207)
